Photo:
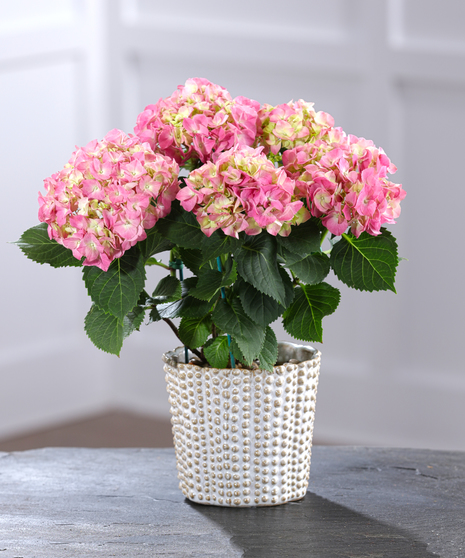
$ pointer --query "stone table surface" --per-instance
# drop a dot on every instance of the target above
(361, 503)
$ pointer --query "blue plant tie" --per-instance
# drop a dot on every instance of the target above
(177, 264)
(223, 296)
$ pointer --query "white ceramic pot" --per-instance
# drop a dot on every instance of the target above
(244, 437)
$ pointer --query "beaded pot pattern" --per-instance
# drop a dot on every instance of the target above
(244, 437)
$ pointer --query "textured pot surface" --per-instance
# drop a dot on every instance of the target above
(244, 437)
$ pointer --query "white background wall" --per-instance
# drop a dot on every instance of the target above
(391, 70)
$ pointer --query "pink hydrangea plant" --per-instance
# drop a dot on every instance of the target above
(259, 171)
(198, 121)
(242, 191)
(107, 195)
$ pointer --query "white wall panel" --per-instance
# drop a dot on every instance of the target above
(29, 14)
(326, 20)
(434, 118)
(41, 123)
(273, 84)
(433, 21)
(41, 119)
(390, 70)
(48, 371)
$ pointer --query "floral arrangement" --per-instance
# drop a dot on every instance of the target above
(242, 195)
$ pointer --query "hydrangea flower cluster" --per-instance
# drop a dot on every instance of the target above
(107, 195)
(257, 169)
(289, 125)
(242, 191)
(344, 180)
(199, 121)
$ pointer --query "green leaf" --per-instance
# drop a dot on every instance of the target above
(181, 228)
(219, 243)
(236, 351)
(311, 303)
(133, 320)
(104, 330)
(216, 351)
(186, 307)
(229, 273)
(37, 246)
(230, 317)
(154, 315)
(288, 286)
(260, 307)
(117, 290)
(208, 284)
(193, 332)
(192, 259)
(269, 353)
(311, 269)
(211, 280)
(191, 307)
(367, 263)
(143, 298)
(153, 244)
(303, 239)
(257, 264)
(168, 290)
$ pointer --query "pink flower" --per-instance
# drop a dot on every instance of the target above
(343, 179)
(102, 169)
(100, 204)
(335, 223)
(289, 125)
(90, 248)
(242, 191)
(198, 121)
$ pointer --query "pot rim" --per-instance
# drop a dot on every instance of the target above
(286, 351)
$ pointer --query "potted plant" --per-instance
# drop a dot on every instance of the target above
(243, 196)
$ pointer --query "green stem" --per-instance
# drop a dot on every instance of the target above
(176, 332)
(172, 258)
(295, 279)
(153, 261)
(323, 236)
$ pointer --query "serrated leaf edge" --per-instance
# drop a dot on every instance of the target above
(391, 288)
(111, 316)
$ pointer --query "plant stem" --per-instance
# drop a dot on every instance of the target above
(323, 236)
(295, 279)
(172, 258)
(153, 261)
(223, 296)
(172, 326)
(176, 332)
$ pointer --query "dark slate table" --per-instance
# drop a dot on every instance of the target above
(361, 503)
